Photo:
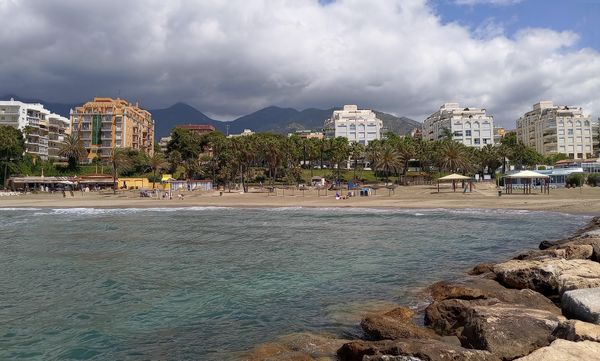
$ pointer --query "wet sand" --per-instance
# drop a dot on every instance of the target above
(584, 200)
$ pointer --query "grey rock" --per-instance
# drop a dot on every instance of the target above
(582, 304)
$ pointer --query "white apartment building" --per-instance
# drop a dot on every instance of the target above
(469, 126)
(358, 125)
(43, 130)
(552, 129)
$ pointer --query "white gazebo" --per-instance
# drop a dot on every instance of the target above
(528, 176)
(454, 178)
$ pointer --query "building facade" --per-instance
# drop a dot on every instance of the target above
(552, 129)
(197, 128)
(469, 126)
(307, 134)
(43, 130)
(106, 123)
(358, 125)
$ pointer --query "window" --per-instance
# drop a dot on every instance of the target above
(569, 131)
(486, 141)
(468, 133)
(477, 141)
(458, 134)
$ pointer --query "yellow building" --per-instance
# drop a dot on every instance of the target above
(106, 123)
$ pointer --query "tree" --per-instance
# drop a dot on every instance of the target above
(157, 163)
(357, 152)
(72, 148)
(12, 147)
(339, 151)
(119, 161)
(453, 157)
(387, 160)
(407, 150)
(489, 157)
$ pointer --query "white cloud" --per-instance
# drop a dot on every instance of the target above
(233, 57)
(487, 2)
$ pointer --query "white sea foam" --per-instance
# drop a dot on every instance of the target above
(20, 209)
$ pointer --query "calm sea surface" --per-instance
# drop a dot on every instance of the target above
(205, 283)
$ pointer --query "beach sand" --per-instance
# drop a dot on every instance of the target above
(584, 200)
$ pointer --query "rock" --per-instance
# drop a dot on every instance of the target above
(575, 330)
(481, 268)
(394, 325)
(547, 244)
(447, 317)
(391, 358)
(297, 347)
(550, 276)
(421, 349)
(506, 330)
(570, 251)
(582, 304)
(480, 288)
(561, 350)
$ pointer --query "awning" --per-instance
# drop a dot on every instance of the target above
(528, 174)
(453, 177)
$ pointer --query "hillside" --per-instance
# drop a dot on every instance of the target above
(271, 119)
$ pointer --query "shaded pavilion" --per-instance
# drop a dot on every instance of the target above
(527, 177)
(455, 178)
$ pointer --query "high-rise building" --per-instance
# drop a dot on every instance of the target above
(43, 130)
(358, 125)
(106, 123)
(469, 126)
(552, 129)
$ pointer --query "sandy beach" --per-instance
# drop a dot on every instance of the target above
(584, 200)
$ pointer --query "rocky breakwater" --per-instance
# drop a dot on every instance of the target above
(541, 305)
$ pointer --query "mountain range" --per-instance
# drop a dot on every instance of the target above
(271, 119)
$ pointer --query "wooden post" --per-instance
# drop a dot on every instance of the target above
(438, 186)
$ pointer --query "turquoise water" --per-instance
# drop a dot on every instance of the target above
(205, 283)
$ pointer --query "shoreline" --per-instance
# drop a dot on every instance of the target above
(584, 201)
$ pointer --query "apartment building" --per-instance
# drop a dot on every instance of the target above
(106, 123)
(358, 125)
(43, 130)
(552, 129)
(472, 127)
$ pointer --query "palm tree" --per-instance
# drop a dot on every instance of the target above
(119, 161)
(339, 152)
(357, 151)
(453, 156)
(387, 160)
(489, 157)
(72, 148)
(407, 150)
(157, 163)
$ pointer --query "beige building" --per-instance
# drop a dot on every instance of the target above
(357, 125)
(106, 123)
(469, 126)
(552, 129)
(43, 130)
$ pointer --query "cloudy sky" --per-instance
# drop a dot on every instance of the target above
(232, 57)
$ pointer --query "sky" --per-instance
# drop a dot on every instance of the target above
(232, 57)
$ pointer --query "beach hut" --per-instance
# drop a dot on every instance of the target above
(454, 178)
(527, 177)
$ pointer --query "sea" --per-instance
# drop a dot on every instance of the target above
(209, 283)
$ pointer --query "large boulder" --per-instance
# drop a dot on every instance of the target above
(550, 276)
(506, 330)
(421, 349)
(393, 325)
(575, 330)
(562, 350)
(481, 288)
(582, 304)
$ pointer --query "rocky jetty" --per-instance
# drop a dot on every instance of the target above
(541, 305)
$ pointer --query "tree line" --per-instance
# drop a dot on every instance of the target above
(273, 158)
